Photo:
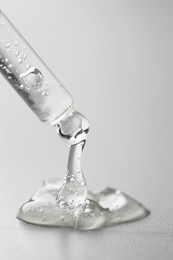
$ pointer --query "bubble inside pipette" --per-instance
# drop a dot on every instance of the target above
(32, 78)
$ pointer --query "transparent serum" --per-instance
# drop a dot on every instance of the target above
(59, 203)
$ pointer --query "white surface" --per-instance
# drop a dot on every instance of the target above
(115, 57)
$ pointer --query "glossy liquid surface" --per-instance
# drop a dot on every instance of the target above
(107, 208)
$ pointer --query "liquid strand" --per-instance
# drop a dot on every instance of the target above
(68, 203)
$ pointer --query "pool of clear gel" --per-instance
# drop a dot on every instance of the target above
(106, 208)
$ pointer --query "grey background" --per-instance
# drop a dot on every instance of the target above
(116, 59)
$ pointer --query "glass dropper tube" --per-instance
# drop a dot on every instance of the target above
(30, 77)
